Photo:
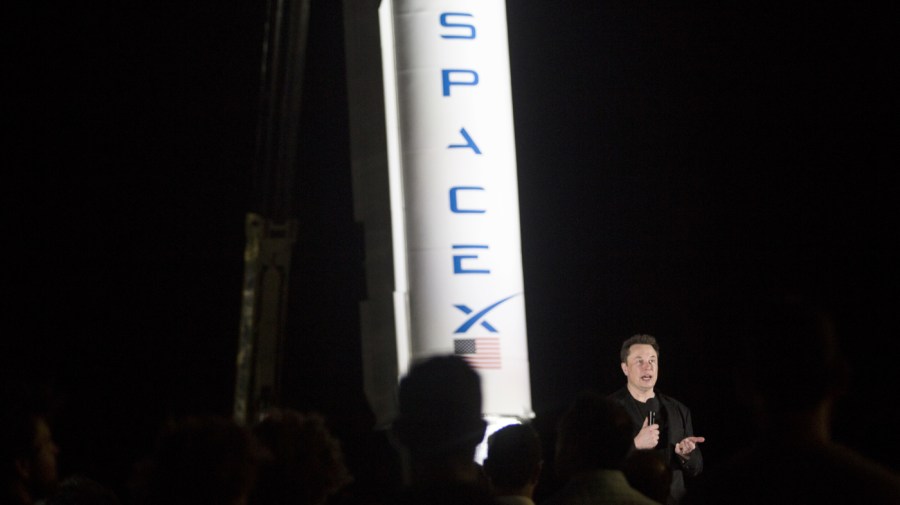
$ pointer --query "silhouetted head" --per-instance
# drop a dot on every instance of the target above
(790, 360)
(305, 463)
(440, 408)
(595, 433)
(514, 457)
(648, 472)
(205, 459)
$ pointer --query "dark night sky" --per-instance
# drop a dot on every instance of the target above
(674, 160)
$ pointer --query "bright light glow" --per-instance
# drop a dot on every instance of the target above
(495, 423)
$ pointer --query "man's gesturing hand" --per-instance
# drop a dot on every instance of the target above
(687, 446)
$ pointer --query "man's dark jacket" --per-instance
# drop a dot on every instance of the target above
(679, 426)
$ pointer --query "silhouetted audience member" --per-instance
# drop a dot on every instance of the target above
(304, 463)
(204, 459)
(368, 454)
(594, 438)
(80, 490)
(27, 450)
(513, 464)
(647, 471)
(546, 424)
(439, 425)
(792, 374)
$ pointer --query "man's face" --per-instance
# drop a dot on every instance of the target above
(641, 367)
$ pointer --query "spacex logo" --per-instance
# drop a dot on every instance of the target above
(480, 352)
(478, 316)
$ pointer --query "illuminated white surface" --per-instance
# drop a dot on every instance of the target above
(495, 423)
(395, 170)
(444, 133)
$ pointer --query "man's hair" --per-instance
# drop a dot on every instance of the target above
(514, 455)
(637, 340)
(202, 459)
(306, 463)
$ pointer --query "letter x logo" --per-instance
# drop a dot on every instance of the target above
(478, 316)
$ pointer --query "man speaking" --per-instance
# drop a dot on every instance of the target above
(659, 422)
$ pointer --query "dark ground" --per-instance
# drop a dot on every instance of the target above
(675, 160)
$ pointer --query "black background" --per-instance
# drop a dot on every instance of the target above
(675, 159)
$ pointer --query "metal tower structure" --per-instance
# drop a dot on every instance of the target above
(270, 227)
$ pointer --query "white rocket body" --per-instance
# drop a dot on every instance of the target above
(454, 191)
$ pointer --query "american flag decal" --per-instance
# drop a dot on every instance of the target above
(480, 352)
